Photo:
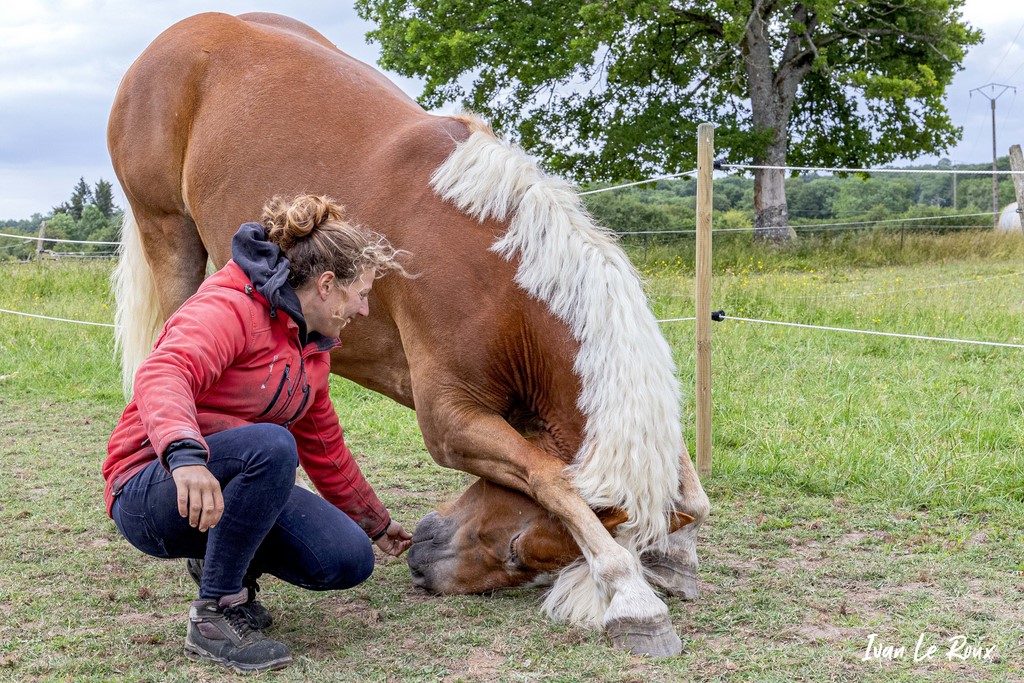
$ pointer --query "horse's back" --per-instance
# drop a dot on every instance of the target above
(283, 23)
(222, 112)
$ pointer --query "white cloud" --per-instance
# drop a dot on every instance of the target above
(61, 61)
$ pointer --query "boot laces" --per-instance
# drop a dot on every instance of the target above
(235, 617)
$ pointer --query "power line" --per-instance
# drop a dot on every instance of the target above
(1010, 78)
(63, 320)
(878, 333)
(763, 167)
(1007, 52)
(640, 182)
(32, 238)
(815, 227)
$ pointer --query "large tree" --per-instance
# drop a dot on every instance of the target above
(81, 197)
(614, 89)
(103, 198)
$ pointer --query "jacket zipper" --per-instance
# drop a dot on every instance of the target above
(284, 379)
(305, 398)
(305, 392)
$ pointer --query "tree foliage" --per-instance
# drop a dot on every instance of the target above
(103, 198)
(81, 196)
(88, 215)
(614, 89)
(814, 200)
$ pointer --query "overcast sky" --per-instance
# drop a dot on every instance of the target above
(61, 61)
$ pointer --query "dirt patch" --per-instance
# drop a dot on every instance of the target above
(479, 665)
(382, 559)
(360, 610)
(810, 557)
(151, 619)
(856, 538)
(824, 632)
(976, 539)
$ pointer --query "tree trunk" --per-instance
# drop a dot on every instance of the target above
(771, 101)
(771, 213)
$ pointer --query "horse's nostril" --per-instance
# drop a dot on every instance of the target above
(419, 578)
(427, 528)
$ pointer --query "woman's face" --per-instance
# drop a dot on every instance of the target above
(336, 304)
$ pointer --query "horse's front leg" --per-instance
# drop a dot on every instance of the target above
(484, 444)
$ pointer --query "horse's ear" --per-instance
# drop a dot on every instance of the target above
(677, 520)
(548, 545)
(612, 517)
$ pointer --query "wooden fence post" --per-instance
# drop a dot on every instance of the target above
(705, 178)
(1017, 164)
(40, 242)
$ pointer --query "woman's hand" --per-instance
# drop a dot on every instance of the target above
(395, 541)
(199, 496)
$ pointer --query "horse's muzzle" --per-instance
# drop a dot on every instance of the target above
(431, 548)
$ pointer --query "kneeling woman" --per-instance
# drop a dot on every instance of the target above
(233, 397)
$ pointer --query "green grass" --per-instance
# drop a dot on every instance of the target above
(827, 251)
(861, 485)
(931, 423)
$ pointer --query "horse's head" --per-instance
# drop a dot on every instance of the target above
(493, 537)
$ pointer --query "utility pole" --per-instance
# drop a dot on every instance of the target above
(992, 95)
(953, 164)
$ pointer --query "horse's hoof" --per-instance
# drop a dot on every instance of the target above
(652, 638)
(673, 579)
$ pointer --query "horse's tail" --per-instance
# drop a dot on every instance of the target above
(137, 317)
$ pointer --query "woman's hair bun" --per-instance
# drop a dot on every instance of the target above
(316, 238)
(290, 221)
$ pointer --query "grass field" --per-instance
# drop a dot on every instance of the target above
(862, 485)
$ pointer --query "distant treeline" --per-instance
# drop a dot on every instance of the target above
(88, 215)
(813, 199)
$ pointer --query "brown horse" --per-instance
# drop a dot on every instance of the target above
(525, 345)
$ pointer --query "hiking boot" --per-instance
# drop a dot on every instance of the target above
(255, 613)
(219, 632)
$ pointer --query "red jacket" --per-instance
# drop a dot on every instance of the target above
(225, 359)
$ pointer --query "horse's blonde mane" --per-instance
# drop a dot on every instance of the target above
(633, 440)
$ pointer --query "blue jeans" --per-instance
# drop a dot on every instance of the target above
(269, 525)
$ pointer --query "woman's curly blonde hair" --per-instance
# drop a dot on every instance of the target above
(315, 236)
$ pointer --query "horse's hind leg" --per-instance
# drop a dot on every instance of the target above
(674, 569)
(176, 256)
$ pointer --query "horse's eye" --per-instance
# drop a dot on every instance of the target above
(513, 549)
